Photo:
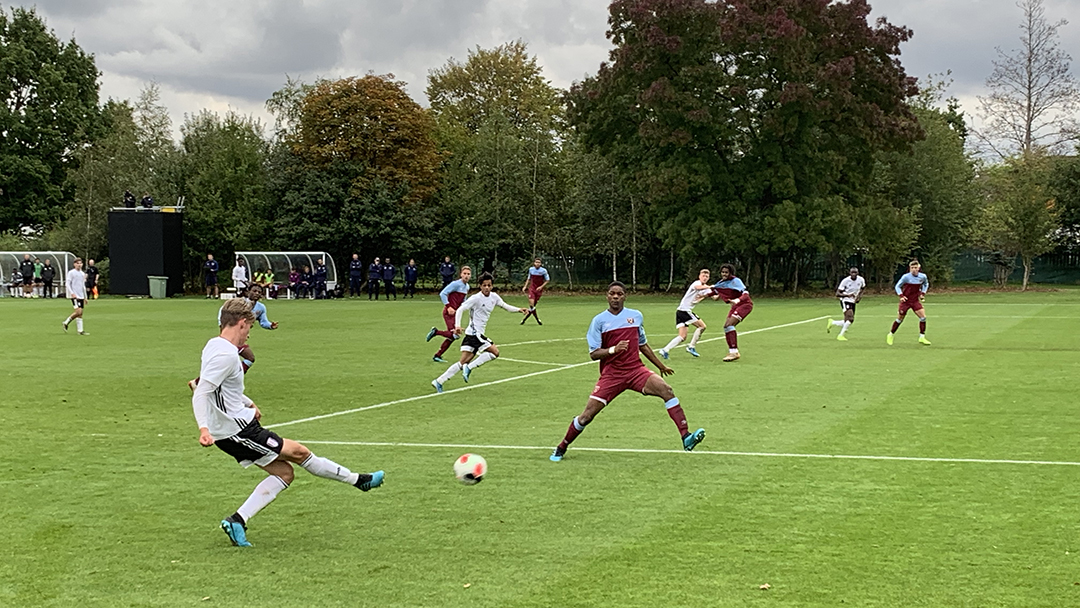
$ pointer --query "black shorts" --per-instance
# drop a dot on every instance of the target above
(683, 318)
(211, 279)
(848, 306)
(475, 344)
(78, 303)
(253, 445)
(28, 280)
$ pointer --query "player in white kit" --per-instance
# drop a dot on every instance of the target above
(230, 420)
(685, 317)
(476, 349)
(849, 292)
(76, 290)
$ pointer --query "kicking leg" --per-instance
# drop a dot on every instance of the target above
(656, 386)
(293, 451)
(577, 425)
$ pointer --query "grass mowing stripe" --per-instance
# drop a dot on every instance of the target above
(493, 382)
(468, 446)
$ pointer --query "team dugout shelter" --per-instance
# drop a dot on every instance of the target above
(280, 263)
(61, 260)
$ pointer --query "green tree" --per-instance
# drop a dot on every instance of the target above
(223, 169)
(50, 92)
(752, 124)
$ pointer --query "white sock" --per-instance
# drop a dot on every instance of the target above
(697, 334)
(78, 323)
(844, 326)
(482, 359)
(68, 320)
(733, 351)
(677, 340)
(449, 373)
(838, 323)
(264, 494)
(322, 467)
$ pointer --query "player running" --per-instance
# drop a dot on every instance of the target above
(912, 291)
(476, 344)
(535, 284)
(76, 290)
(850, 292)
(452, 296)
(730, 289)
(230, 420)
(685, 317)
(258, 309)
(610, 335)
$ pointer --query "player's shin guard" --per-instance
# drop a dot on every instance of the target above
(264, 494)
(572, 432)
(732, 338)
(895, 326)
(445, 333)
(844, 327)
(445, 345)
(449, 373)
(328, 469)
(482, 359)
(675, 411)
(922, 326)
(697, 336)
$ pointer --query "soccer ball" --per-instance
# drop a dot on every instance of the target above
(470, 469)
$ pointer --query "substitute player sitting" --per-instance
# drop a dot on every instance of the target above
(685, 317)
(912, 291)
(476, 348)
(610, 337)
(536, 282)
(850, 292)
(230, 420)
(731, 290)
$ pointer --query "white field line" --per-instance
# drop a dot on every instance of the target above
(469, 446)
(483, 384)
(541, 341)
(532, 362)
(754, 331)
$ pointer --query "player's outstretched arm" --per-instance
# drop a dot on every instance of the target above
(647, 350)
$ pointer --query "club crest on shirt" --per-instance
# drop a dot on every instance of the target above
(630, 320)
(271, 442)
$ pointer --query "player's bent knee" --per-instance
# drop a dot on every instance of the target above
(294, 451)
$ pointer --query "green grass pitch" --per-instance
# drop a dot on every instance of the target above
(106, 498)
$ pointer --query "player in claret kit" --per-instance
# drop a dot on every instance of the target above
(685, 317)
(535, 284)
(610, 336)
(731, 290)
(453, 295)
(912, 290)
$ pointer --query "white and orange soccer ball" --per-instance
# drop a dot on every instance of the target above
(470, 469)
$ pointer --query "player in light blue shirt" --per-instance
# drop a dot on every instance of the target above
(538, 278)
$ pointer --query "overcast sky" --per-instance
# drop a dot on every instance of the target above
(232, 54)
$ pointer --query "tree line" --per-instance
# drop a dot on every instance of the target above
(769, 133)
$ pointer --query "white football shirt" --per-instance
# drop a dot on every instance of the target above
(849, 290)
(219, 401)
(694, 294)
(480, 307)
(76, 284)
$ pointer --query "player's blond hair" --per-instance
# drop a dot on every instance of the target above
(234, 310)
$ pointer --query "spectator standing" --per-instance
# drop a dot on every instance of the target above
(240, 276)
(48, 275)
(374, 275)
(37, 277)
(388, 274)
(210, 270)
(320, 279)
(356, 275)
(91, 279)
(129, 199)
(446, 271)
(26, 270)
(147, 200)
(411, 274)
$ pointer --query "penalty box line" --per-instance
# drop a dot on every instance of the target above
(469, 446)
(491, 383)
